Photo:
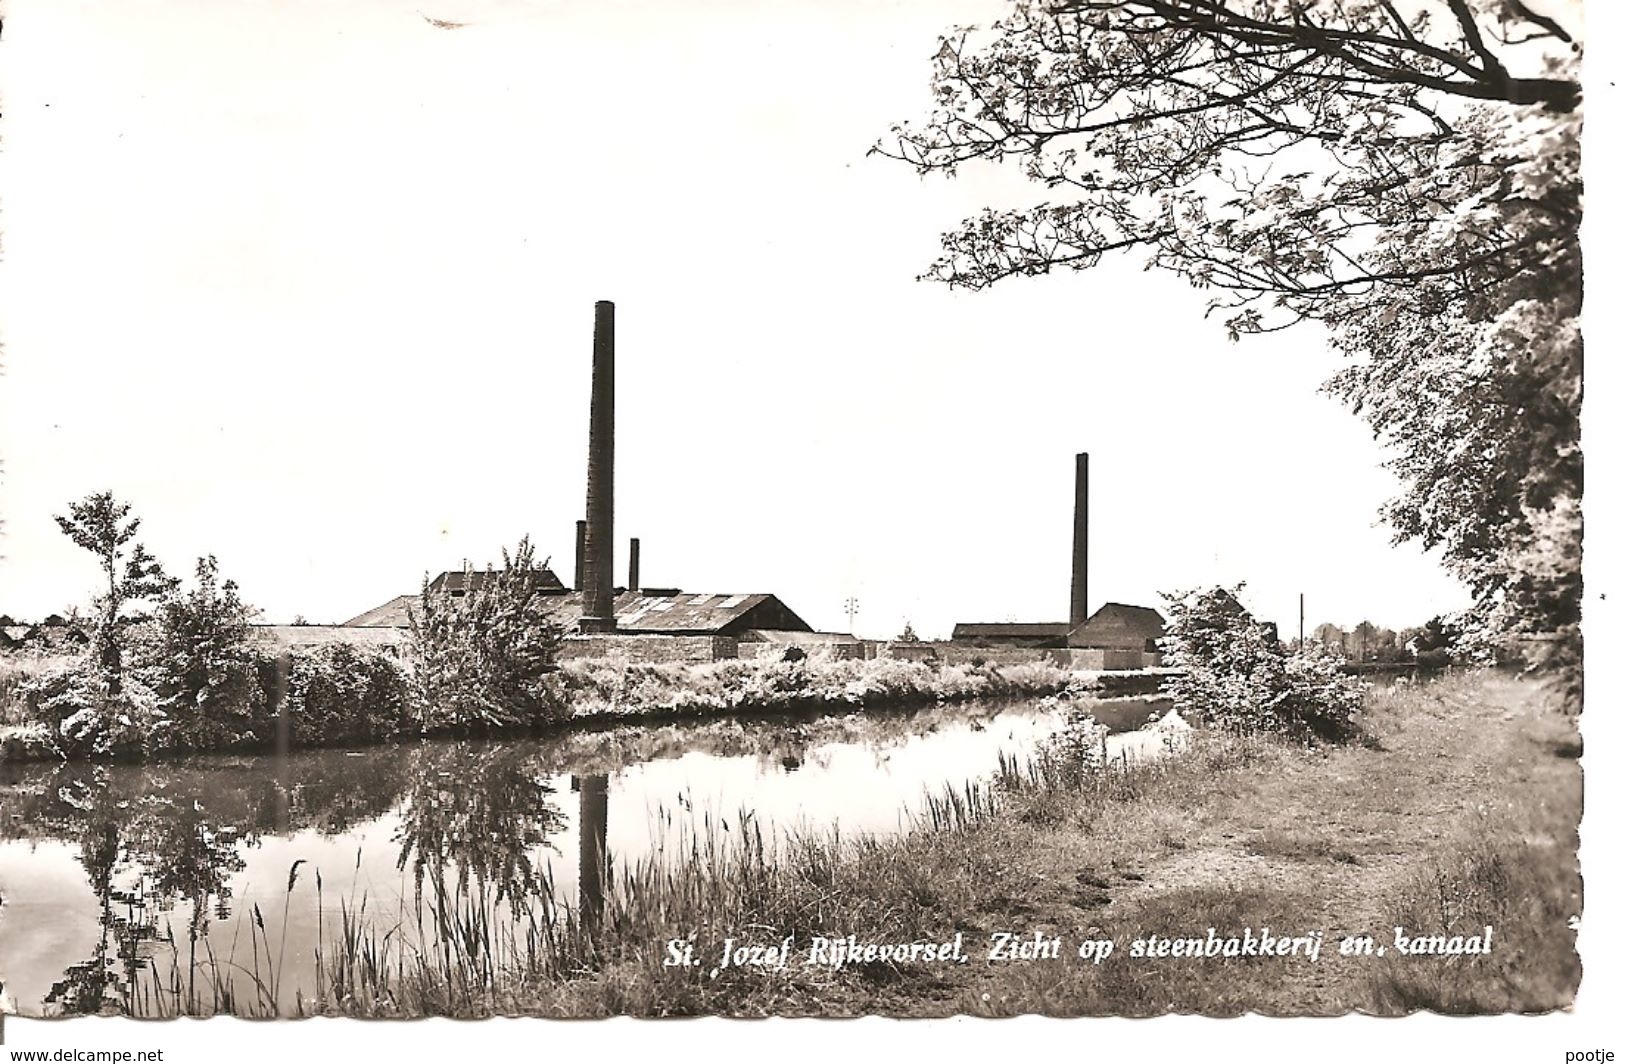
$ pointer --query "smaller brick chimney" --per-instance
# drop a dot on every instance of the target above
(1080, 544)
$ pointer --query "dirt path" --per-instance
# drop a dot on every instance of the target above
(1301, 841)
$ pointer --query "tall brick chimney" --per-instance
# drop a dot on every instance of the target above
(581, 555)
(632, 567)
(598, 568)
(1080, 545)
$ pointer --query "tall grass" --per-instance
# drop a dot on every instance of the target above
(1530, 898)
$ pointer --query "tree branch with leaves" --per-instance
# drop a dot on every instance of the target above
(1406, 174)
(102, 525)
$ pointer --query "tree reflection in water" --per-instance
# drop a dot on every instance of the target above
(480, 810)
(141, 856)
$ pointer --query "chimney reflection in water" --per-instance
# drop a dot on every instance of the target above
(594, 859)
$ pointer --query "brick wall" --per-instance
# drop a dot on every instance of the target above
(1096, 659)
(775, 651)
(961, 654)
(908, 651)
(956, 654)
(1093, 660)
(650, 649)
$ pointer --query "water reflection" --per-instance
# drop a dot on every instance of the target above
(479, 813)
(140, 855)
(117, 879)
(592, 873)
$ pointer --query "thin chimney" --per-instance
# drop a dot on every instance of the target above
(1080, 545)
(597, 572)
(581, 555)
(632, 568)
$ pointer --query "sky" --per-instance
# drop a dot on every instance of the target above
(311, 286)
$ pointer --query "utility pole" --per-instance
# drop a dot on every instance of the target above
(1300, 623)
(851, 611)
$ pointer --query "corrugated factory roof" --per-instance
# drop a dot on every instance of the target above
(458, 580)
(772, 635)
(1010, 630)
(1117, 624)
(391, 614)
(635, 612)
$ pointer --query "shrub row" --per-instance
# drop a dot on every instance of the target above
(331, 694)
(338, 693)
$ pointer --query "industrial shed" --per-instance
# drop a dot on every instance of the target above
(1116, 626)
(1011, 634)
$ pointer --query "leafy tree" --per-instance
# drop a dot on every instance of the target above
(1329, 635)
(482, 657)
(203, 666)
(1146, 112)
(1236, 675)
(103, 525)
(1365, 640)
(1406, 174)
(1438, 642)
(1439, 633)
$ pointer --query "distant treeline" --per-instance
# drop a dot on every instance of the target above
(1441, 641)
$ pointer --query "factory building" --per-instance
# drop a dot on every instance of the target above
(600, 618)
(1012, 634)
(1116, 626)
(1116, 636)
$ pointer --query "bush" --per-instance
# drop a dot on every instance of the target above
(340, 693)
(201, 668)
(609, 688)
(482, 658)
(1236, 675)
(1075, 753)
(82, 714)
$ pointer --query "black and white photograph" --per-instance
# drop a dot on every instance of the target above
(816, 509)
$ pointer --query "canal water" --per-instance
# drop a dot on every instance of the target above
(108, 873)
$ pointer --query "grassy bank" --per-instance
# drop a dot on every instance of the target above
(618, 691)
(1457, 810)
(352, 697)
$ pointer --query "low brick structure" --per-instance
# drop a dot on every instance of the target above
(1100, 659)
(963, 655)
(910, 651)
(650, 649)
